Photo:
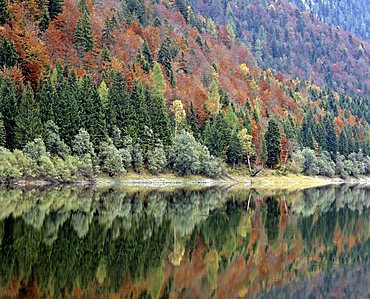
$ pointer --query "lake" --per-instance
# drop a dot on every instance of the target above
(211, 242)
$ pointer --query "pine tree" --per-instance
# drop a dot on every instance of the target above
(55, 7)
(8, 53)
(8, 108)
(94, 117)
(343, 143)
(2, 132)
(4, 16)
(45, 98)
(165, 59)
(28, 121)
(137, 113)
(147, 58)
(67, 106)
(272, 138)
(159, 119)
(118, 103)
(83, 35)
(331, 137)
(234, 153)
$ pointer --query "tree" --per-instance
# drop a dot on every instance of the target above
(55, 7)
(84, 40)
(213, 105)
(146, 58)
(4, 16)
(53, 142)
(331, 137)
(137, 116)
(8, 53)
(118, 103)
(28, 121)
(184, 155)
(272, 138)
(179, 114)
(234, 153)
(8, 109)
(165, 59)
(111, 159)
(2, 132)
(248, 150)
(35, 149)
(157, 158)
(81, 144)
(137, 157)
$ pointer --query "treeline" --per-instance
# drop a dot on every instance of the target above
(70, 128)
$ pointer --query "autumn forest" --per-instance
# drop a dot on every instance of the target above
(190, 87)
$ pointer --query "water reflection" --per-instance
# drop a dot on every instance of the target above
(77, 242)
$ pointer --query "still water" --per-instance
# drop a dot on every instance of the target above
(185, 243)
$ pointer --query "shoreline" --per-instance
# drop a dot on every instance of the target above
(271, 181)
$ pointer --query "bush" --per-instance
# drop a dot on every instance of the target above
(111, 159)
(35, 149)
(157, 159)
(326, 165)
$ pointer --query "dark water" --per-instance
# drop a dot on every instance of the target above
(204, 243)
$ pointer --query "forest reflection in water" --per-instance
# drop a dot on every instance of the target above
(185, 243)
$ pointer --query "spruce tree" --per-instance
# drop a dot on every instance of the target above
(28, 121)
(55, 7)
(331, 137)
(147, 58)
(164, 58)
(159, 119)
(67, 109)
(4, 16)
(8, 53)
(118, 103)
(272, 138)
(2, 132)
(83, 35)
(137, 113)
(234, 153)
(45, 98)
(8, 108)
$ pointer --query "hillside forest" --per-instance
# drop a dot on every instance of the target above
(109, 87)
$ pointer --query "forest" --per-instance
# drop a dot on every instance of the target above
(89, 88)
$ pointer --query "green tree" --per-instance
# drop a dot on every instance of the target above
(81, 145)
(55, 7)
(118, 103)
(53, 142)
(157, 158)
(146, 57)
(272, 138)
(8, 53)
(331, 137)
(28, 121)
(137, 157)
(111, 159)
(2, 132)
(165, 59)
(234, 153)
(8, 108)
(45, 97)
(35, 149)
(83, 34)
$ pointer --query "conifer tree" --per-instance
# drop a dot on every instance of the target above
(3, 11)
(28, 121)
(67, 109)
(147, 58)
(331, 137)
(272, 138)
(8, 108)
(45, 97)
(2, 132)
(159, 119)
(165, 59)
(83, 35)
(8, 53)
(94, 117)
(55, 7)
(234, 153)
(118, 103)
(137, 113)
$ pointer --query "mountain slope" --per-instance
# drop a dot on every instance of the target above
(285, 39)
(350, 15)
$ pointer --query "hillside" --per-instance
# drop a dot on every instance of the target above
(111, 86)
(291, 41)
(350, 15)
